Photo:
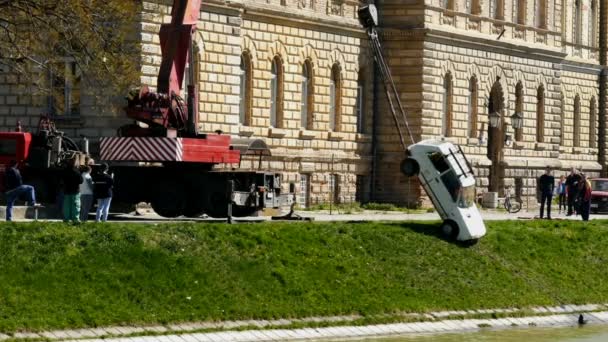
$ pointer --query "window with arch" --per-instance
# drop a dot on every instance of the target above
(473, 98)
(496, 9)
(448, 92)
(577, 21)
(520, 11)
(308, 95)
(360, 104)
(563, 120)
(540, 114)
(335, 98)
(246, 89)
(475, 7)
(593, 41)
(577, 121)
(519, 108)
(276, 92)
(592, 124)
(540, 14)
(448, 4)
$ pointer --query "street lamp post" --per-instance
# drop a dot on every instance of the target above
(494, 119)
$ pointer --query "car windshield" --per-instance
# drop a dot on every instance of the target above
(466, 197)
(599, 185)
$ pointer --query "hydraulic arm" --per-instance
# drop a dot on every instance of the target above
(166, 109)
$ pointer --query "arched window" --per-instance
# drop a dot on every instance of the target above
(577, 121)
(475, 7)
(448, 92)
(276, 93)
(246, 89)
(577, 22)
(519, 108)
(335, 98)
(563, 120)
(308, 94)
(592, 124)
(360, 104)
(540, 114)
(540, 14)
(520, 11)
(496, 10)
(593, 41)
(473, 98)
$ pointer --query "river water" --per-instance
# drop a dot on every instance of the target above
(571, 334)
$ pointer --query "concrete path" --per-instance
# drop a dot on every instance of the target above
(262, 331)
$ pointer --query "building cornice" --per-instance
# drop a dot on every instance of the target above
(314, 21)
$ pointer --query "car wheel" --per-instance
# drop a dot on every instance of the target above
(449, 230)
(410, 167)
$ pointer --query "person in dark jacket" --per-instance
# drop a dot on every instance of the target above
(546, 183)
(103, 191)
(585, 198)
(572, 186)
(14, 189)
(72, 178)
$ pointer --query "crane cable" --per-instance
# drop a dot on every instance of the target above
(389, 85)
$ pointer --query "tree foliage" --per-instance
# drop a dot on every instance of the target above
(98, 37)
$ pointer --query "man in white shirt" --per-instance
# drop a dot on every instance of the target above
(86, 194)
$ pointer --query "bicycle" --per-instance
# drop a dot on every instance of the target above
(512, 205)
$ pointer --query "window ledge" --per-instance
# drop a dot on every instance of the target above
(519, 145)
(336, 136)
(274, 132)
(472, 141)
(363, 138)
(565, 149)
(579, 150)
(593, 150)
(307, 134)
(539, 146)
(246, 131)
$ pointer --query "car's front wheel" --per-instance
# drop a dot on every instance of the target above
(410, 167)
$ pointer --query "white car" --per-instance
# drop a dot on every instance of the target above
(447, 178)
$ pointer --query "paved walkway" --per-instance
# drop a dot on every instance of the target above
(262, 331)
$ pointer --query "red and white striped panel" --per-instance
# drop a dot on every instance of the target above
(141, 149)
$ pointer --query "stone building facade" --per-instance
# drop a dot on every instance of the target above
(298, 74)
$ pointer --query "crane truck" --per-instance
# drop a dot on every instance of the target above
(161, 158)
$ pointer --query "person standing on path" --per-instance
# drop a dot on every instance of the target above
(546, 184)
(560, 191)
(72, 178)
(86, 194)
(585, 200)
(14, 188)
(103, 192)
(572, 189)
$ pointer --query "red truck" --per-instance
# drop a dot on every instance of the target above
(161, 158)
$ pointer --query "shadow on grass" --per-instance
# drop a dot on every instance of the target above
(432, 229)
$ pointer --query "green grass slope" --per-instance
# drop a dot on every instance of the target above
(59, 276)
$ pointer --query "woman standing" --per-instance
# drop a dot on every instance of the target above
(103, 192)
(560, 191)
(585, 200)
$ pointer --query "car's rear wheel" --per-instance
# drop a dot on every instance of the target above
(449, 230)
(410, 167)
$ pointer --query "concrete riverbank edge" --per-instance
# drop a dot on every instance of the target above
(335, 327)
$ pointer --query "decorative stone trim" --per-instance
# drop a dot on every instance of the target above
(565, 149)
(246, 131)
(274, 132)
(472, 141)
(307, 134)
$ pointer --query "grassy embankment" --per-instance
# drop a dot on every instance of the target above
(59, 276)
